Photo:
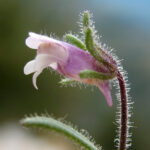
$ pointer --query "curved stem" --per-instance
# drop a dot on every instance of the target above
(124, 113)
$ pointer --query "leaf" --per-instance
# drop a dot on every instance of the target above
(74, 41)
(52, 124)
(89, 74)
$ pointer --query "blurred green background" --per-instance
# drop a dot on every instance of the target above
(124, 25)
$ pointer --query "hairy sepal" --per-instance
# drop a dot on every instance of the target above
(75, 41)
(91, 46)
(67, 81)
(86, 19)
(90, 74)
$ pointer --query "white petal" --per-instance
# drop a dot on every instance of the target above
(54, 65)
(34, 40)
(53, 49)
(33, 43)
(43, 61)
(36, 74)
(29, 67)
(39, 36)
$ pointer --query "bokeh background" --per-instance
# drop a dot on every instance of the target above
(124, 25)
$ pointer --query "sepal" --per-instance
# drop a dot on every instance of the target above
(67, 81)
(75, 41)
(90, 74)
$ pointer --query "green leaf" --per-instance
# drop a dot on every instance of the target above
(89, 74)
(74, 41)
(68, 81)
(52, 124)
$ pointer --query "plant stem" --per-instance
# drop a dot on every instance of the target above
(124, 112)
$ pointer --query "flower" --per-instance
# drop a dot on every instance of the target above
(68, 60)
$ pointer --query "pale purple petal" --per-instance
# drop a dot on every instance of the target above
(105, 89)
(79, 60)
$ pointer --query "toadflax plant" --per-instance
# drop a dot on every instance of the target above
(83, 60)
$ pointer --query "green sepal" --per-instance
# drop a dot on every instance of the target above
(89, 74)
(61, 128)
(68, 81)
(91, 46)
(90, 43)
(75, 41)
(86, 19)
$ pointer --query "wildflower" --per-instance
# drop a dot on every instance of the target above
(86, 62)
(68, 60)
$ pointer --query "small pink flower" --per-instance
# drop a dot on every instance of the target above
(66, 59)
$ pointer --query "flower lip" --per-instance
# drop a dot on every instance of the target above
(47, 45)
(34, 40)
(29, 67)
(50, 53)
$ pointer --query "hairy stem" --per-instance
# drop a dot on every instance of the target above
(124, 113)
